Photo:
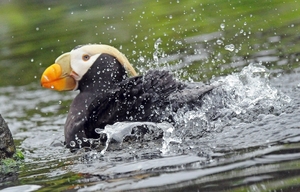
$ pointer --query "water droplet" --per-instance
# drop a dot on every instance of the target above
(222, 25)
(178, 42)
(79, 141)
(229, 47)
(141, 59)
(37, 29)
(157, 51)
(98, 130)
(72, 144)
(219, 42)
(49, 8)
(32, 60)
(157, 43)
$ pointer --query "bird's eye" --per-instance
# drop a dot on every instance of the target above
(85, 57)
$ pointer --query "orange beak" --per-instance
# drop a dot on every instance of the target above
(58, 77)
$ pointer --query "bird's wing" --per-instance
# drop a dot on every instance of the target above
(139, 98)
(190, 96)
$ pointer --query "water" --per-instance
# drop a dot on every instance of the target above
(246, 136)
(246, 141)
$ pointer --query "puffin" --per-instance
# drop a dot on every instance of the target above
(110, 91)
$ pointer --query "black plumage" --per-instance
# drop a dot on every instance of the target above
(107, 95)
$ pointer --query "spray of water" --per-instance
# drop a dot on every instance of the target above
(239, 97)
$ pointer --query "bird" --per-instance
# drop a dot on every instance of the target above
(110, 91)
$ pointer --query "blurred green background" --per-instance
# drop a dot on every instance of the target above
(34, 33)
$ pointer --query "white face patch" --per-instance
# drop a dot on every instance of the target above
(82, 59)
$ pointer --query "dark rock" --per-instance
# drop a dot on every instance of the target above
(7, 146)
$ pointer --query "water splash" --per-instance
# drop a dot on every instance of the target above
(229, 47)
(168, 137)
(157, 53)
(251, 89)
(120, 130)
(139, 131)
(238, 98)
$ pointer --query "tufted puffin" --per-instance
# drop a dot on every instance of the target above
(111, 91)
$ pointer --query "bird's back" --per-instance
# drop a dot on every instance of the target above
(142, 98)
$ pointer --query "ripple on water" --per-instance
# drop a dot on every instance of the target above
(25, 188)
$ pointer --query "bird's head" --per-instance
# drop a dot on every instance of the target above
(70, 68)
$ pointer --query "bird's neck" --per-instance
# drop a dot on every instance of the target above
(104, 75)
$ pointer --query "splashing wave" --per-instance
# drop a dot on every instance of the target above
(239, 98)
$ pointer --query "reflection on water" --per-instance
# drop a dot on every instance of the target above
(256, 150)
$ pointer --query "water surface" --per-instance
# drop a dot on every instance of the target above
(251, 47)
